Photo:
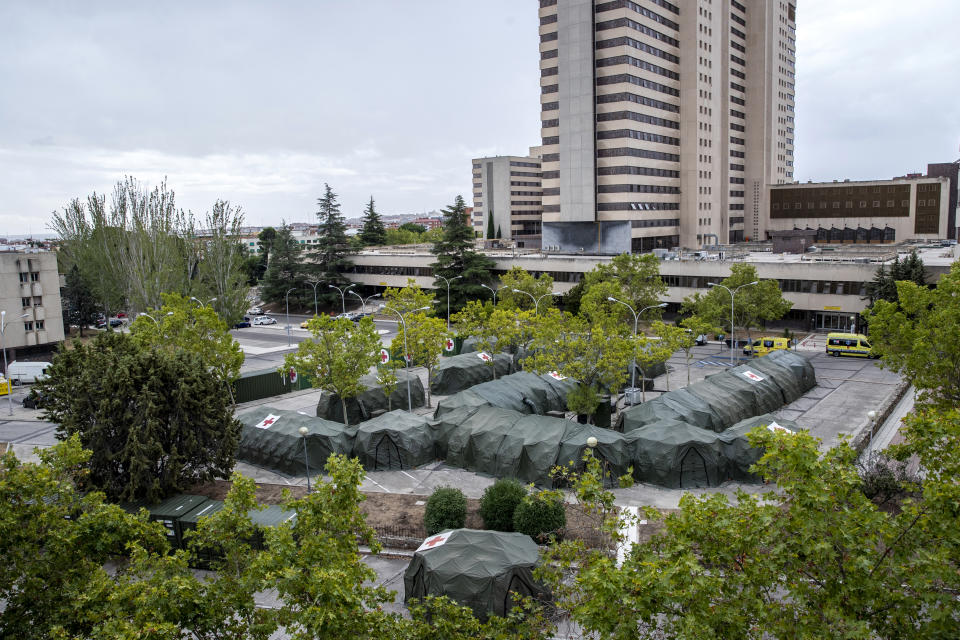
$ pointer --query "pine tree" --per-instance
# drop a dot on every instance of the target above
(286, 269)
(332, 248)
(499, 235)
(373, 232)
(456, 257)
(914, 269)
(882, 287)
(490, 225)
(79, 303)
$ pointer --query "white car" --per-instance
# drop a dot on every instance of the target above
(255, 311)
(263, 320)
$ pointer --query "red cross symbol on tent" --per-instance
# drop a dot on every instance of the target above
(436, 540)
(483, 355)
(384, 356)
(448, 345)
(268, 422)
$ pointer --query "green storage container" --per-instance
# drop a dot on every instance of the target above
(168, 513)
(256, 385)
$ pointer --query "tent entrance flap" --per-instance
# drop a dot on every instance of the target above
(387, 455)
(693, 471)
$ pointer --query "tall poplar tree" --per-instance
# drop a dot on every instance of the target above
(373, 232)
(456, 257)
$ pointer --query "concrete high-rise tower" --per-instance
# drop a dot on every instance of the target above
(662, 122)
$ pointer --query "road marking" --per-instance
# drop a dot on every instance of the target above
(407, 474)
(378, 484)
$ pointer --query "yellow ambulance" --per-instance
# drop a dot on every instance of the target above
(763, 346)
(849, 344)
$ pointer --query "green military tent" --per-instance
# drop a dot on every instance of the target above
(487, 571)
(271, 439)
(679, 404)
(395, 440)
(373, 400)
(523, 391)
(457, 373)
(790, 370)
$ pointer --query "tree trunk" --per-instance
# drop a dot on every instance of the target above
(343, 403)
(429, 398)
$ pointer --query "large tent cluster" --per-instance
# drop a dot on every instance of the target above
(484, 570)
(523, 392)
(692, 437)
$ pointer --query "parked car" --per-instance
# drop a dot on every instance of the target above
(256, 311)
(243, 324)
(303, 325)
(263, 320)
(27, 372)
(121, 314)
(114, 322)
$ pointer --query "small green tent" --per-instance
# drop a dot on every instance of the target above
(393, 441)
(373, 399)
(457, 373)
(477, 569)
(271, 439)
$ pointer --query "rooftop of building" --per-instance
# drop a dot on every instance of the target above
(847, 181)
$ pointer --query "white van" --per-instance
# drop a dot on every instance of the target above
(27, 372)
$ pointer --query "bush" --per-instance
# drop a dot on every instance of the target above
(446, 509)
(499, 502)
(539, 516)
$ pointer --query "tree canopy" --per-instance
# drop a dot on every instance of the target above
(285, 271)
(372, 232)
(156, 420)
(456, 257)
(518, 278)
(332, 249)
(337, 355)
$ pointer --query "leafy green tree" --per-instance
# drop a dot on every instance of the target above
(425, 339)
(813, 558)
(413, 227)
(754, 306)
(286, 270)
(476, 321)
(671, 338)
(490, 229)
(596, 352)
(456, 257)
(55, 541)
(636, 278)
(79, 300)
(332, 250)
(648, 352)
(401, 236)
(694, 326)
(916, 337)
(387, 379)
(156, 420)
(409, 298)
(518, 278)
(541, 516)
(337, 356)
(432, 236)
(182, 325)
(372, 233)
(220, 273)
(265, 241)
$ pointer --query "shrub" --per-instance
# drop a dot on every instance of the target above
(538, 516)
(499, 502)
(446, 509)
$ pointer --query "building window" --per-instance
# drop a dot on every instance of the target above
(889, 203)
(904, 203)
(876, 204)
(921, 203)
(28, 326)
(836, 205)
(863, 204)
(39, 325)
(24, 277)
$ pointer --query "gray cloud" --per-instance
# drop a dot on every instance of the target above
(261, 103)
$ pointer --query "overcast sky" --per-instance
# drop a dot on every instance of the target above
(261, 103)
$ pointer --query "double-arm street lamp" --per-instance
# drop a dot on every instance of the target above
(363, 301)
(406, 354)
(732, 294)
(493, 291)
(315, 284)
(636, 319)
(201, 303)
(448, 296)
(343, 298)
(536, 301)
(3, 343)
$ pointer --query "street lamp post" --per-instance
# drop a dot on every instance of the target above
(872, 417)
(286, 298)
(315, 284)
(406, 354)
(493, 291)
(306, 461)
(3, 345)
(155, 321)
(343, 299)
(363, 301)
(636, 318)
(448, 296)
(732, 294)
(536, 301)
(201, 303)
